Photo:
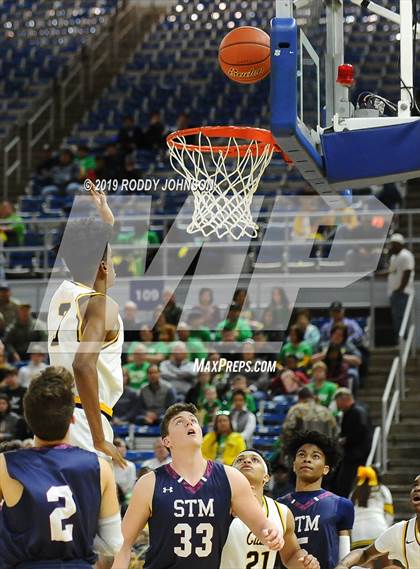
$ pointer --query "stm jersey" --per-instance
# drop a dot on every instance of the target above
(57, 516)
(319, 516)
(189, 524)
(64, 331)
(244, 550)
(402, 542)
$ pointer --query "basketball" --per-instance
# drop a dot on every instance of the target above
(244, 55)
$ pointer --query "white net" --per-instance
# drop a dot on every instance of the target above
(222, 181)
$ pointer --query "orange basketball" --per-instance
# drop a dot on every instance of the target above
(244, 55)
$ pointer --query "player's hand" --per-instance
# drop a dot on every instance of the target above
(101, 204)
(273, 539)
(309, 561)
(111, 450)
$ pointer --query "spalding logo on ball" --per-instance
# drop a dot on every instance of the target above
(244, 55)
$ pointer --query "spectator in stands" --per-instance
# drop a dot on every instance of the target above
(130, 171)
(243, 421)
(86, 161)
(323, 390)
(161, 457)
(22, 332)
(11, 387)
(8, 420)
(12, 228)
(130, 321)
(228, 346)
(196, 394)
(279, 484)
(222, 444)
(64, 175)
(35, 366)
(287, 382)
(125, 477)
(308, 415)
(130, 136)
(337, 313)
(210, 312)
(337, 368)
(4, 365)
(355, 438)
(171, 311)
(400, 280)
(390, 196)
(154, 398)
(210, 406)
(311, 335)
(233, 322)
(137, 367)
(240, 383)
(153, 137)
(178, 370)
(113, 162)
(241, 299)
(8, 305)
(195, 346)
(298, 347)
(373, 508)
(126, 403)
(254, 377)
(197, 329)
(279, 308)
(161, 349)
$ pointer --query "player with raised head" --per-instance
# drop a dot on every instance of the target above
(86, 330)
(242, 548)
(323, 520)
(188, 503)
(401, 541)
(57, 497)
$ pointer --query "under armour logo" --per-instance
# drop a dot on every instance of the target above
(170, 489)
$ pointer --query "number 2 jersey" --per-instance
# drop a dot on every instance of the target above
(319, 517)
(245, 551)
(189, 524)
(57, 515)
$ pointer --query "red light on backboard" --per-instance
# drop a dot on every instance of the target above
(345, 75)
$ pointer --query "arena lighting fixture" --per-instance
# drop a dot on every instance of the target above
(194, 17)
(215, 15)
(230, 25)
(222, 6)
(179, 8)
(237, 15)
(200, 7)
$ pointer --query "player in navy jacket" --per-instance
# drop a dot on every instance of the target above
(323, 520)
(57, 497)
(188, 503)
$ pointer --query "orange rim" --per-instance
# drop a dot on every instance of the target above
(262, 137)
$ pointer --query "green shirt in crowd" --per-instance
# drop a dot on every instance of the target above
(325, 393)
(137, 374)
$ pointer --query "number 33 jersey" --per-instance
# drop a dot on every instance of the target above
(57, 515)
(245, 551)
(189, 524)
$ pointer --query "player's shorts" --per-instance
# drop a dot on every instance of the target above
(80, 435)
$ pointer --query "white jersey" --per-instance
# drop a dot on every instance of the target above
(372, 521)
(245, 551)
(64, 332)
(402, 542)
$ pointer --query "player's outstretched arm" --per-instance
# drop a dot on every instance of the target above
(109, 539)
(247, 508)
(292, 556)
(101, 204)
(136, 517)
(359, 557)
(99, 317)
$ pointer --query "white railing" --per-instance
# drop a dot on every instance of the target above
(35, 135)
(15, 166)
(76, 82)
(395, 389)
(375, 457)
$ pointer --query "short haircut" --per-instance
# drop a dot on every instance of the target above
(327, 445)
(299, 332)
(238, 392)
(251, 449)
(171, 412)
(49, 403)
(79, 247)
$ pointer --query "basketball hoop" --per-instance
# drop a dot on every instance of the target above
(223, 179)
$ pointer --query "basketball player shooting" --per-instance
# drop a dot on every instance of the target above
(187, 504)
(401, 541)
(242, 549)
(86, 331)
